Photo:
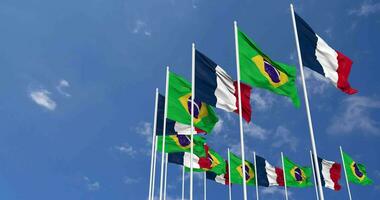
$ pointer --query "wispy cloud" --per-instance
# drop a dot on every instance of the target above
(130, 180)
(140, 27)
(274, 190)
(283, 137)
(356, 115)
(145, 129)
(316, 83)
(255, 131)
(218, 126)
(61, 86)
(42, 98)
(126, 149)
(262, 100)
(91, 185)
(365, 9)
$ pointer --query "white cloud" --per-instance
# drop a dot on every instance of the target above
(262, 100)
(218, 126)
(41, 97)
(141, 27)
(356, 115)
(255, 131)
(316, 83)
(126, 149)
(91, 185)
(274, 190)
(283, 137)
(365, 9)
(145, 129)
(60, 87)
(130, 180)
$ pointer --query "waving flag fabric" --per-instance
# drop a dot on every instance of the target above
(213, 161)
(172, 127)
(258, 70)
(182, 143)
(295, 175)
(179, 105)
(183, 158)
(356, 173)
(237, 171)
(216, 88)
(320, 57)
(330, 172)
(222, 178)
(267, 175)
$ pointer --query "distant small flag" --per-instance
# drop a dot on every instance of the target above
(320, 57)
(172, 127)
(267, 175)
(183, 158)
(181, 143)
(222, 178)
(215, 87)
(330, 174)
(356, 172)
(236, 170)
(296, 176)
(212, 160)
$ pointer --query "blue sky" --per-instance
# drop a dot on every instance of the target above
(78, 79)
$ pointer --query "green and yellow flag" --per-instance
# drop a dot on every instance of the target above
(179, 105)
(356, 173)
(258, 70)
(236, 170)
(182, 143)
(295, 175)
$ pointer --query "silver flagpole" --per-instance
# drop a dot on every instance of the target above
(153, 146)
(257, 183)
(164, 131)
(283, 170)
(240, 112)
(314, 148)
(183, 182)
(345, 173)
(229, 175)
(192, 117)
(166, 174)
(204, 186)
(154, 167)
(315, 180)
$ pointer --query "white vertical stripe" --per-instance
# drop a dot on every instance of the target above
(225, 90)
(326, 166)
(271, 174)
(183, 129)
(220, 179)
(186, 160)
(328, 58)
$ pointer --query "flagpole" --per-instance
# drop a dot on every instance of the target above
(345, 173)
(257, 183)
(166, 174)
(204, 186)
(315, 180)
(240, 112)
(313, 145)
(229, 175)
(183, 182)
(154, 167)
(284, 173)
(153, 145)
(192, 117)
(164, 131)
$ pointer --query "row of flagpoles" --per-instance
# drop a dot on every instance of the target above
(164, 155)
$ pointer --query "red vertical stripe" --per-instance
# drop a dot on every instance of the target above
(245, 100)
(280, 176)
(344, 68)
(335, 174)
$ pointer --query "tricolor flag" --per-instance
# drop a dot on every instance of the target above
(183, 158)
(172, 127)
(212, 161)
(319, 56)
(330, 172)
(216, 88)
(222, 178)
(267, 175)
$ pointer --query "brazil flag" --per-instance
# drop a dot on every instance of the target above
(356, 172)
(295, 175)
(182, 143)
(179, 105)
(258, 70)
(212, 162)
(236, 170)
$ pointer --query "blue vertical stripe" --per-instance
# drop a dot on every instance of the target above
(320, 171)
(176, 158)
(262, 178)
(308, 44)
(160, 119)
(205, 79)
